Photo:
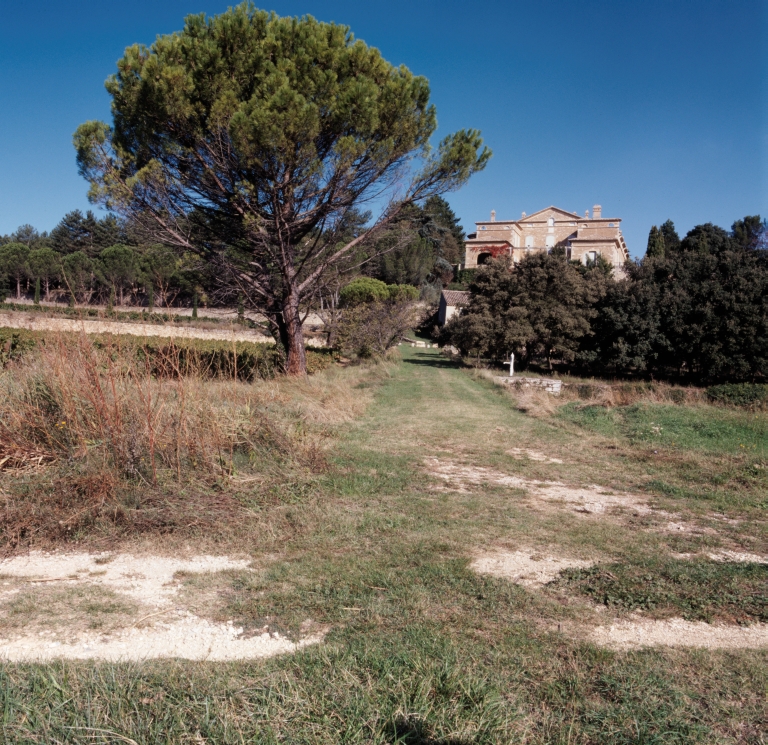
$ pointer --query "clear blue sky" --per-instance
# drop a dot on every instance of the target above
(654, 109)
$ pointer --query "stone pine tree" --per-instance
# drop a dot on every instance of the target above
(248, 138)
(655, 244)
(45, 266)
(14, 263)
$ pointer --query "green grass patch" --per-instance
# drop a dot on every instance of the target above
(703, 428)
(747, 395)
(697, 590)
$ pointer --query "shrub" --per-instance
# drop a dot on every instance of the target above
(370, 329)
(363, 290)
(747, 395)
(14, 343)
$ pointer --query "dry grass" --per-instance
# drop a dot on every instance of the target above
(97, 436)
(538, 403)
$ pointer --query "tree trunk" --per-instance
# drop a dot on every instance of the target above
(292, 337)
(18, 288)
(47, 289)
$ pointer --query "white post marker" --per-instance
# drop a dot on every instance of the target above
(511, 364)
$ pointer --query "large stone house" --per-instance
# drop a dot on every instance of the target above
(584, 238)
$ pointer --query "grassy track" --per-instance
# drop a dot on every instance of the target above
(421, 649)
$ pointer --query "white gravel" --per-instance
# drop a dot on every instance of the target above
(160, 630)
(584, 500)
(188, 637)
(523, 453)
(148, 579)
(525, 567)
(679, 633)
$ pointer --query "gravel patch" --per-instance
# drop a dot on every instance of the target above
(525, 567)
(738, 556)
(679, 633)
(523, 453)
(585, 500)
(188, 637)
(149, 579)
(161, 629)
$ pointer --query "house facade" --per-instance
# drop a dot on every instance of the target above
(583, 238)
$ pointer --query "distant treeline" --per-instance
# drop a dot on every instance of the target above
(693, 310)
(101, 260)
(96, 260)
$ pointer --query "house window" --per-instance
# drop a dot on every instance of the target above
(551, 222)
(611, 225)
(482, 227)
(550, 241)
(590, 257)
(529, 241)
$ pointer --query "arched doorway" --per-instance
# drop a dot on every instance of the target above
(483, 258)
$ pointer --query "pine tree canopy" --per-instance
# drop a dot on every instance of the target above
(248, 138)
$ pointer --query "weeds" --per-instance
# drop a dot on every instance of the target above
(697, 590)
(96, 434)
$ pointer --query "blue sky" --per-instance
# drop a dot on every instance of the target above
(653, 109)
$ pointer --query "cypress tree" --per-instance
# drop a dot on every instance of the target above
(656, 244)
(37, 291)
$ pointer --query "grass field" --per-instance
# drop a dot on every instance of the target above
(377, 548)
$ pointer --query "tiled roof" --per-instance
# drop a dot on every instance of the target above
(455, 297)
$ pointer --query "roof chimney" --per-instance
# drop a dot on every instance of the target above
(523, 214)
(586, 214)
(493, 215)
(597, 211)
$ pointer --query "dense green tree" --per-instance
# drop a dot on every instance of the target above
(698, 313)
(29, 236)
(86, 233)
(655, 247)
(540, 308)
(671, 238)
(78, 276)
(450, 235)
(119, 266)
(45, 265)
(14, 259)
(160, 266)
(707, 239)
(747, 231)
(248, 138)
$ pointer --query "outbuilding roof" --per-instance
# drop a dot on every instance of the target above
(455, 297)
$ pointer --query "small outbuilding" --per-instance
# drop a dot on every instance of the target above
(451, 301)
